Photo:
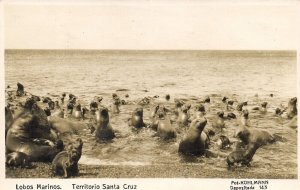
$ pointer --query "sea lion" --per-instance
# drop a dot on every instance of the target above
(31, 134)
(47, 111)
(292, 108)
(8, 118)
(206, 99)
(51, 105)
(20, 90)
(231, 116)
(70, 107)
(18, 159)
(116, 106)
(136, 119)
(262, 108)
(199, 111)
(62, 98)
(223, 142)
(245, 118)
(240, 106)
(278, 111)
(36, 98)
(241, 156)
(218, 122)
(65, 163)
(93, 106)
(46, 100)
(183, 117)
(76, 113)
(254, 137)
(163, 125)
(195, 141)
(65, 128)
(104, 131)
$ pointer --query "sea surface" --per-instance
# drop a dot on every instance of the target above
(241, 75)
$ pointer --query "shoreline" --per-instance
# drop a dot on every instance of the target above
(41, 170)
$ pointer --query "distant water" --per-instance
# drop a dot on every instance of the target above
(241, 75)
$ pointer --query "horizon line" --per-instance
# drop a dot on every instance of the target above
(286, 50)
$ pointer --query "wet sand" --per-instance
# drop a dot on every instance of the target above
(41, 170)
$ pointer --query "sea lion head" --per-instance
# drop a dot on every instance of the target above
(245, 114)
(293, 101)
(264, 104)
(220, 114)
(185, 108)
(200, 108)
(139, 111)
(243, 134)
(199, 124)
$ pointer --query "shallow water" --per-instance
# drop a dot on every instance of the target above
(182, 74)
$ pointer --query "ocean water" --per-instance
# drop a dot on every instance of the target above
(241, 75)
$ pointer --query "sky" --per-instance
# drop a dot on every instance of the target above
(150, 25)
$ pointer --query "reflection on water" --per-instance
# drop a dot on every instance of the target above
(189, 75)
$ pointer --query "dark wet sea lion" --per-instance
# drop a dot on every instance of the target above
(223, 142)
(231, 116)
(46, 99)
(18, 159)
(20, 90)
(36, 98)
(62, 98)
(136, 119)
(47, 111)
(93, 106)
(71, 96)
(241, 156)
(32, 135)
(292, 108)
(51, 105)
(207, 99)
(104, 131)
(183, 117)
(70, 107)
(65, 163)
(195, 141)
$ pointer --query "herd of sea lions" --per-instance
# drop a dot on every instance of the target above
(38, 128)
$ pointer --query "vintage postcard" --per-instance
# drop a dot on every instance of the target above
(149, 94)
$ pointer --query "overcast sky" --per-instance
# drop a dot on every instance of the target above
(150, 25)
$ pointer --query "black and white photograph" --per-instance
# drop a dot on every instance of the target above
(150, 89)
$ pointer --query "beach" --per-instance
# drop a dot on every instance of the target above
(191, 76)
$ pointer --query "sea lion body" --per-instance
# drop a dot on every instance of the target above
(195, 142)
(218, 123)
(136, 119)
(183, 117)
(31, 134)
(104, 130)
(292, 108)
(65, 163)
